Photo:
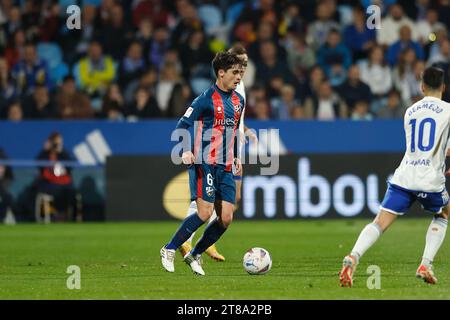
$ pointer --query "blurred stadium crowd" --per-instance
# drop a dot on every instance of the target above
(309, 59)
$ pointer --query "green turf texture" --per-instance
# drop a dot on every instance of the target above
(121, 261)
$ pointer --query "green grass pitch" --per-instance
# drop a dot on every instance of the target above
(121, 261)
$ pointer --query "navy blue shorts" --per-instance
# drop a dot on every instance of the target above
(398, 200)
(210, 182)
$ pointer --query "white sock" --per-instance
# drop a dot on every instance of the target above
(433, 240)
(366, 239)
(191, 210)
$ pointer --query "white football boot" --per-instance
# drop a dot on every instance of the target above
(194, 263)
(167, 258)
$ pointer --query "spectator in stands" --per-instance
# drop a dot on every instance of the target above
(428, 27)
(318, 30)
(444, 12)
(116, 34)
(283, 106)
(255, 93)
(389, 33)
(403, 43)
(443, 57)
(361, 111)
(270, 66)
(435, 47)
(414, 83)
(334, 58)
(188, 22)
(150, 9)
(393, 108)
(354, 90)
(113, 104)
(326, 105)
(56, 180)
(180, 98)
(7, 89)
(165, 87)
(299, 55)
(15, 49)
(15, 111)
(377, 75)
(315, 78)
(159, 45)
(358, 37)
(30, 71)
(404, 71)
(39, 104)
(50, 25)
(195, 56)
(72, 103)
(14, 21)
(265, 32)
(261, 109)
(96, 71)
(132, 66)
(144, 106)
(6, 177)
(144, 36)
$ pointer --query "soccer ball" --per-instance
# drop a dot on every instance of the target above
(257, 261)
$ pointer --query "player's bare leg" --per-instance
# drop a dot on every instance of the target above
(204, 211)
(433, 241)
(368, 236)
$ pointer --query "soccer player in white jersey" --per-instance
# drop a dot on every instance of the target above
(243, 130)
(420, 177)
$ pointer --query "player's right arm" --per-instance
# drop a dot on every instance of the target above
(192, 114)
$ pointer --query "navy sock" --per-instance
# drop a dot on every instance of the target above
(212, 233)
(189, 226)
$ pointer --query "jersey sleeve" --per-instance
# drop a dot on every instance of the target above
(193, 112)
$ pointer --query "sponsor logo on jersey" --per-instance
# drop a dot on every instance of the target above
(209, 191)
(228, 122)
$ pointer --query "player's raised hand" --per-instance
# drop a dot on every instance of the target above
(188, 157)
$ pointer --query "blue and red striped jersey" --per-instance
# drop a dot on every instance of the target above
(215, 115)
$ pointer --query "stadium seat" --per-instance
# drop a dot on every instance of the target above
(234, 12)
(52, 54)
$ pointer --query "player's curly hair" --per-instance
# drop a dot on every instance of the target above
(225, 60)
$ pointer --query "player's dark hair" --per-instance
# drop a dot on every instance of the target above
(433, 78)
(238, 49)
(225, 60)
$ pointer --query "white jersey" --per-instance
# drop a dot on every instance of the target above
(241, 90)
(426, 125)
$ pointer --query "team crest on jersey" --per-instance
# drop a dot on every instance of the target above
(209, 191)
(238, 108)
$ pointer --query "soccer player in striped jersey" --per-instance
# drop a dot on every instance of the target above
(212, 251)
(419, 177)
(216, 114)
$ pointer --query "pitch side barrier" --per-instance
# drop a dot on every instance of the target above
(307, 186)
